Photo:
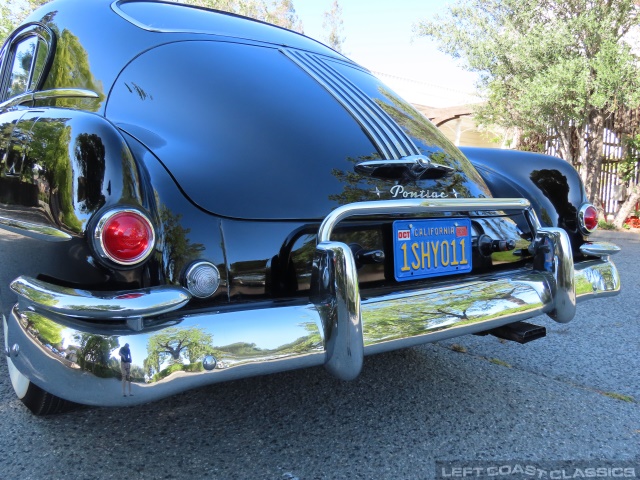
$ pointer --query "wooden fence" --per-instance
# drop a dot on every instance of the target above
(612, 189)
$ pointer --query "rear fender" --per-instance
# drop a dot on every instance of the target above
(65, 165)
(60, 168)
(551, 184)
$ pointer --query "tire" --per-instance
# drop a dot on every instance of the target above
(34, 398)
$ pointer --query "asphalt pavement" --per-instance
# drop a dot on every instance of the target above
(475, 401)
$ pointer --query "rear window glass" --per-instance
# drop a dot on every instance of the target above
(172, 17)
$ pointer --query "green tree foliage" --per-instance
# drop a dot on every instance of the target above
(13, 12)
(333, 26)
(177, 248)
(547, 65)
(277, 12)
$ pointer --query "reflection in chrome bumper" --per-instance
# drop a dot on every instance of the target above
(176, 351)
(274, 338)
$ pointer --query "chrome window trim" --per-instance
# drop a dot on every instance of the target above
(42, 33)
(29, 97)
(65, 93)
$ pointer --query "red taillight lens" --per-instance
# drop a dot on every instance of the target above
(588, 217)
(125, 237)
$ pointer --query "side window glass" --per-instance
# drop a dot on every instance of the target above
(38, 66)
(21, 69)
(20, 78)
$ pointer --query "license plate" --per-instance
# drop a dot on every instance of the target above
(431, 248)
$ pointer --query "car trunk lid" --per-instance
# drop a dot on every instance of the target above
(280, 134)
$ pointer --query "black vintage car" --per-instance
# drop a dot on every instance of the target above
(188, 197)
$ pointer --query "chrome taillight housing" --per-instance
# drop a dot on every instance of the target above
(124, 236)
(588, 218)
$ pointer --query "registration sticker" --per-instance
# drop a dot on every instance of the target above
(431, 248)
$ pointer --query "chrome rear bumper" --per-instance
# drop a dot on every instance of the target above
(173, 352)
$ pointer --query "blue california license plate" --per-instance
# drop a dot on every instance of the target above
(431, 248)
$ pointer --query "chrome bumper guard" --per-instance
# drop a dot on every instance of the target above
(173, 352)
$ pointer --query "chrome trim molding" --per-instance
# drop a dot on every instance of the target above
(34, 230)
(390, 140)
(17, 100)
(599, 249)
(48, 299)
(416, 208)
(65, 93)
(48, 94)
(242, 342)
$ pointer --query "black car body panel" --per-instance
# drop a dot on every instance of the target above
(552, 185)
(309, 150)
(266, 179)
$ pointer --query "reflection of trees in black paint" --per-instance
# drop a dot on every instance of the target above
(430, 141)
(361, 188)
(90, 157)
(71, 70)
(356, 187)
(177, 250)
(555, 186)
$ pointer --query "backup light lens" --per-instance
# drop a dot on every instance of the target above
(588, 217)
(125, 237)
(202, 279)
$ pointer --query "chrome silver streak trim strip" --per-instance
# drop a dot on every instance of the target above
(388, 137)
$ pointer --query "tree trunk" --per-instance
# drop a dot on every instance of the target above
(627, 207)
(591, 149)
(565, 149)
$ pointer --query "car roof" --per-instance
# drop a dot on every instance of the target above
(164, 19)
